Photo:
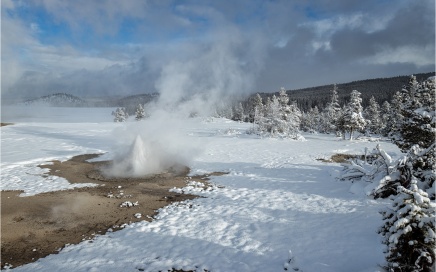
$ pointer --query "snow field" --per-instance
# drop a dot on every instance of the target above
(276, 197)
(24, 146)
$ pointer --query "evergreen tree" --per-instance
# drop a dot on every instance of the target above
(120, 115)
(254, 103)
(140, 113)
(352, 118)
(396, 117)
(386, 117)
(332, 112)
(271, 121)
(258, 111)
(267, 106)
(341, 124)
(409, 230)
(284, 117)
(310, 121)
(294, 120)
(372, 114)
(418, 111)
(409, 226)
(238, 112)
(280, 118)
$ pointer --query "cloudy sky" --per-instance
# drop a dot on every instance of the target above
(111, 47)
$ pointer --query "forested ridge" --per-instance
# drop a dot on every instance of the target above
(381, 88)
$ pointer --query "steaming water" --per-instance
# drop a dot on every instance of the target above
(138, 157)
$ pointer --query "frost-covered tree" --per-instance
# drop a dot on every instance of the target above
(259, 109)
(290, 115)
(409, 230)
(293, 120)
(340, 123)
(238, 112)
(386, 117)
(310, 121)
(409, 226)
(271, 122)
(331, 113)
(372, 115)
(353, 118)
(254, 102)
(266, 106)
(418, 111)
(396, 117)
(280, 118)
(140, 112)
(223, 110)
(120, 115)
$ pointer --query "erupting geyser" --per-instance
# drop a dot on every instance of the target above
(154, 146)
(138, 157)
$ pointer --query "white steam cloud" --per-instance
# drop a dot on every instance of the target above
(151, 146)
(207, 74)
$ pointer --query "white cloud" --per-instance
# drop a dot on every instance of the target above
(104, 16)
(35, 27)
(324, 29)
(22, 52)
(417, 55)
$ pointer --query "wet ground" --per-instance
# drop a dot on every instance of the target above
(35, 226)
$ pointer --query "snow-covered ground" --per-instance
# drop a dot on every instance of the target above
(275, 198)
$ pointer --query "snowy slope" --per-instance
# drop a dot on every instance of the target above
(277, 197)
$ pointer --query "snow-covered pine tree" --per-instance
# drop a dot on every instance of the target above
(409, 226)
(258, 113)
(310, 121)
(294, 120)
(316, 118)
(372, 115)
(340, 123)
(418, 111)
(280, 118)
(409, 230)
(386, 117)
(120, 115)
(284, 112)
(272, 119)
(396, 117)
(140, 112)
(238, 112)
(253, 103)
(353, 119)
(332, 112)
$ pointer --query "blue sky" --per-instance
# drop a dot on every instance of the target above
(107, 47)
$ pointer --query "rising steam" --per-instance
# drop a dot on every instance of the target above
(204, 75)
(151, 146)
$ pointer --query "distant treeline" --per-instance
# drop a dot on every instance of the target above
(381, 88)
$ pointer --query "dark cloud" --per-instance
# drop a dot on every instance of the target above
(268, 44)
(359, 49)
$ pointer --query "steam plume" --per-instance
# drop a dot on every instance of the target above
(206, 74)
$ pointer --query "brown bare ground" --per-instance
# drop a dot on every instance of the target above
(35, 226)
(342, 158)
